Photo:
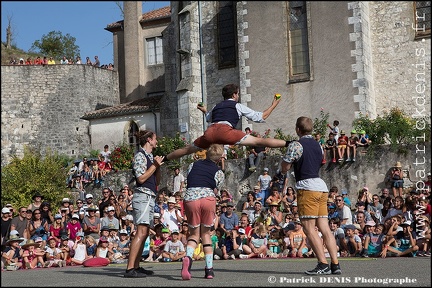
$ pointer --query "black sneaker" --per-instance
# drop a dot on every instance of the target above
(209, 274)
(133, 273)
(320, 269)
(144, 271)
(335, 268)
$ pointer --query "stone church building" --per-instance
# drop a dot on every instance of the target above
(346, 58)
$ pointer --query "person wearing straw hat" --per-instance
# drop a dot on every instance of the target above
(32, 256)
(13, 252)
(397, 179)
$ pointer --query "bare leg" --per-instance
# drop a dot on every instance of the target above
(176, 154)
(263, 142)
(137, 246)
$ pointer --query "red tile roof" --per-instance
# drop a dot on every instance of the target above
(164, 12)
(134, 107)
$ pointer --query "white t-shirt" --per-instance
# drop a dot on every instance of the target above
(80, 252)
(106, 155)
(177, 182)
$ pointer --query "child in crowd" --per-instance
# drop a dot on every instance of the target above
(258, 242)
(66, 247)
(158, 243)
(353, 241)
(12, 254)
(342, 146)
(32, 255)
(53, 254)
(275, 244)
(80, 250)
(352, 146)
(331, 146)
(298, 241)
(103, 251)
(405, 242)
(335, 129)
(91, 245)
(374, 240)
(174, 249)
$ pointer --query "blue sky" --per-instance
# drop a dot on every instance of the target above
(84, 20)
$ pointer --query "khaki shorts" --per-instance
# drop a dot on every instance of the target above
(219, 134)
(312, 204)
(342, 146)
(200, 212)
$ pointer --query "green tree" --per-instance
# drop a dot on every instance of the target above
(57, 45)
(34, 172)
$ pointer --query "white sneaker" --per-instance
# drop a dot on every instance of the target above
(243, 256)
(232, 257)
(216, 257)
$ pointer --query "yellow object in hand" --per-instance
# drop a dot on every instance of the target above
(278, 96)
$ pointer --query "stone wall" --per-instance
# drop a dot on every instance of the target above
(42, 106)
(366, 171)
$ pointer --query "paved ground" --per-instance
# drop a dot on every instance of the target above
(357, 272)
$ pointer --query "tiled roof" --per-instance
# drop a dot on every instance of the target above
(134, 107)
(160, 13)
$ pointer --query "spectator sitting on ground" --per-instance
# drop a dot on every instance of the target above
(12, 254)
(174, 249)
(405, 242)
(374, 239)
(229, 219)
(248, 205)
(258, 243)
(353, 241)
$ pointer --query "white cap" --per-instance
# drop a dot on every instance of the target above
(75, 216)
(123, 231)
(110, 208)
(89, 196)
(5, 210)
(242, 230)
(13, 232)
(156, 215)
(65, 200)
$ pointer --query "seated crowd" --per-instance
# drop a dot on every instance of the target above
(378, 226)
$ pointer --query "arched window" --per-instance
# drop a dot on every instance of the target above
(133, 129)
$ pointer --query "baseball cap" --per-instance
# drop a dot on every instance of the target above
(242, 231)
(5, 210)
(89, 196)
(352, 227)
(171, 200)
(75, 216)
(344, 192)
(165, 230)
(156, 215)
(370, 223)
(110, 208)
(406, 223)
(65, 200)
(256, 187)
(266, 169)
(123, 231)
(175, 231)
(58, 216)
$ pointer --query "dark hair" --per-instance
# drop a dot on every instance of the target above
(228, 90)
(142, 136)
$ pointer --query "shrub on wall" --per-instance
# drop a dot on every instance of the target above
(396, 128)
(167, 145)
(122, 157)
